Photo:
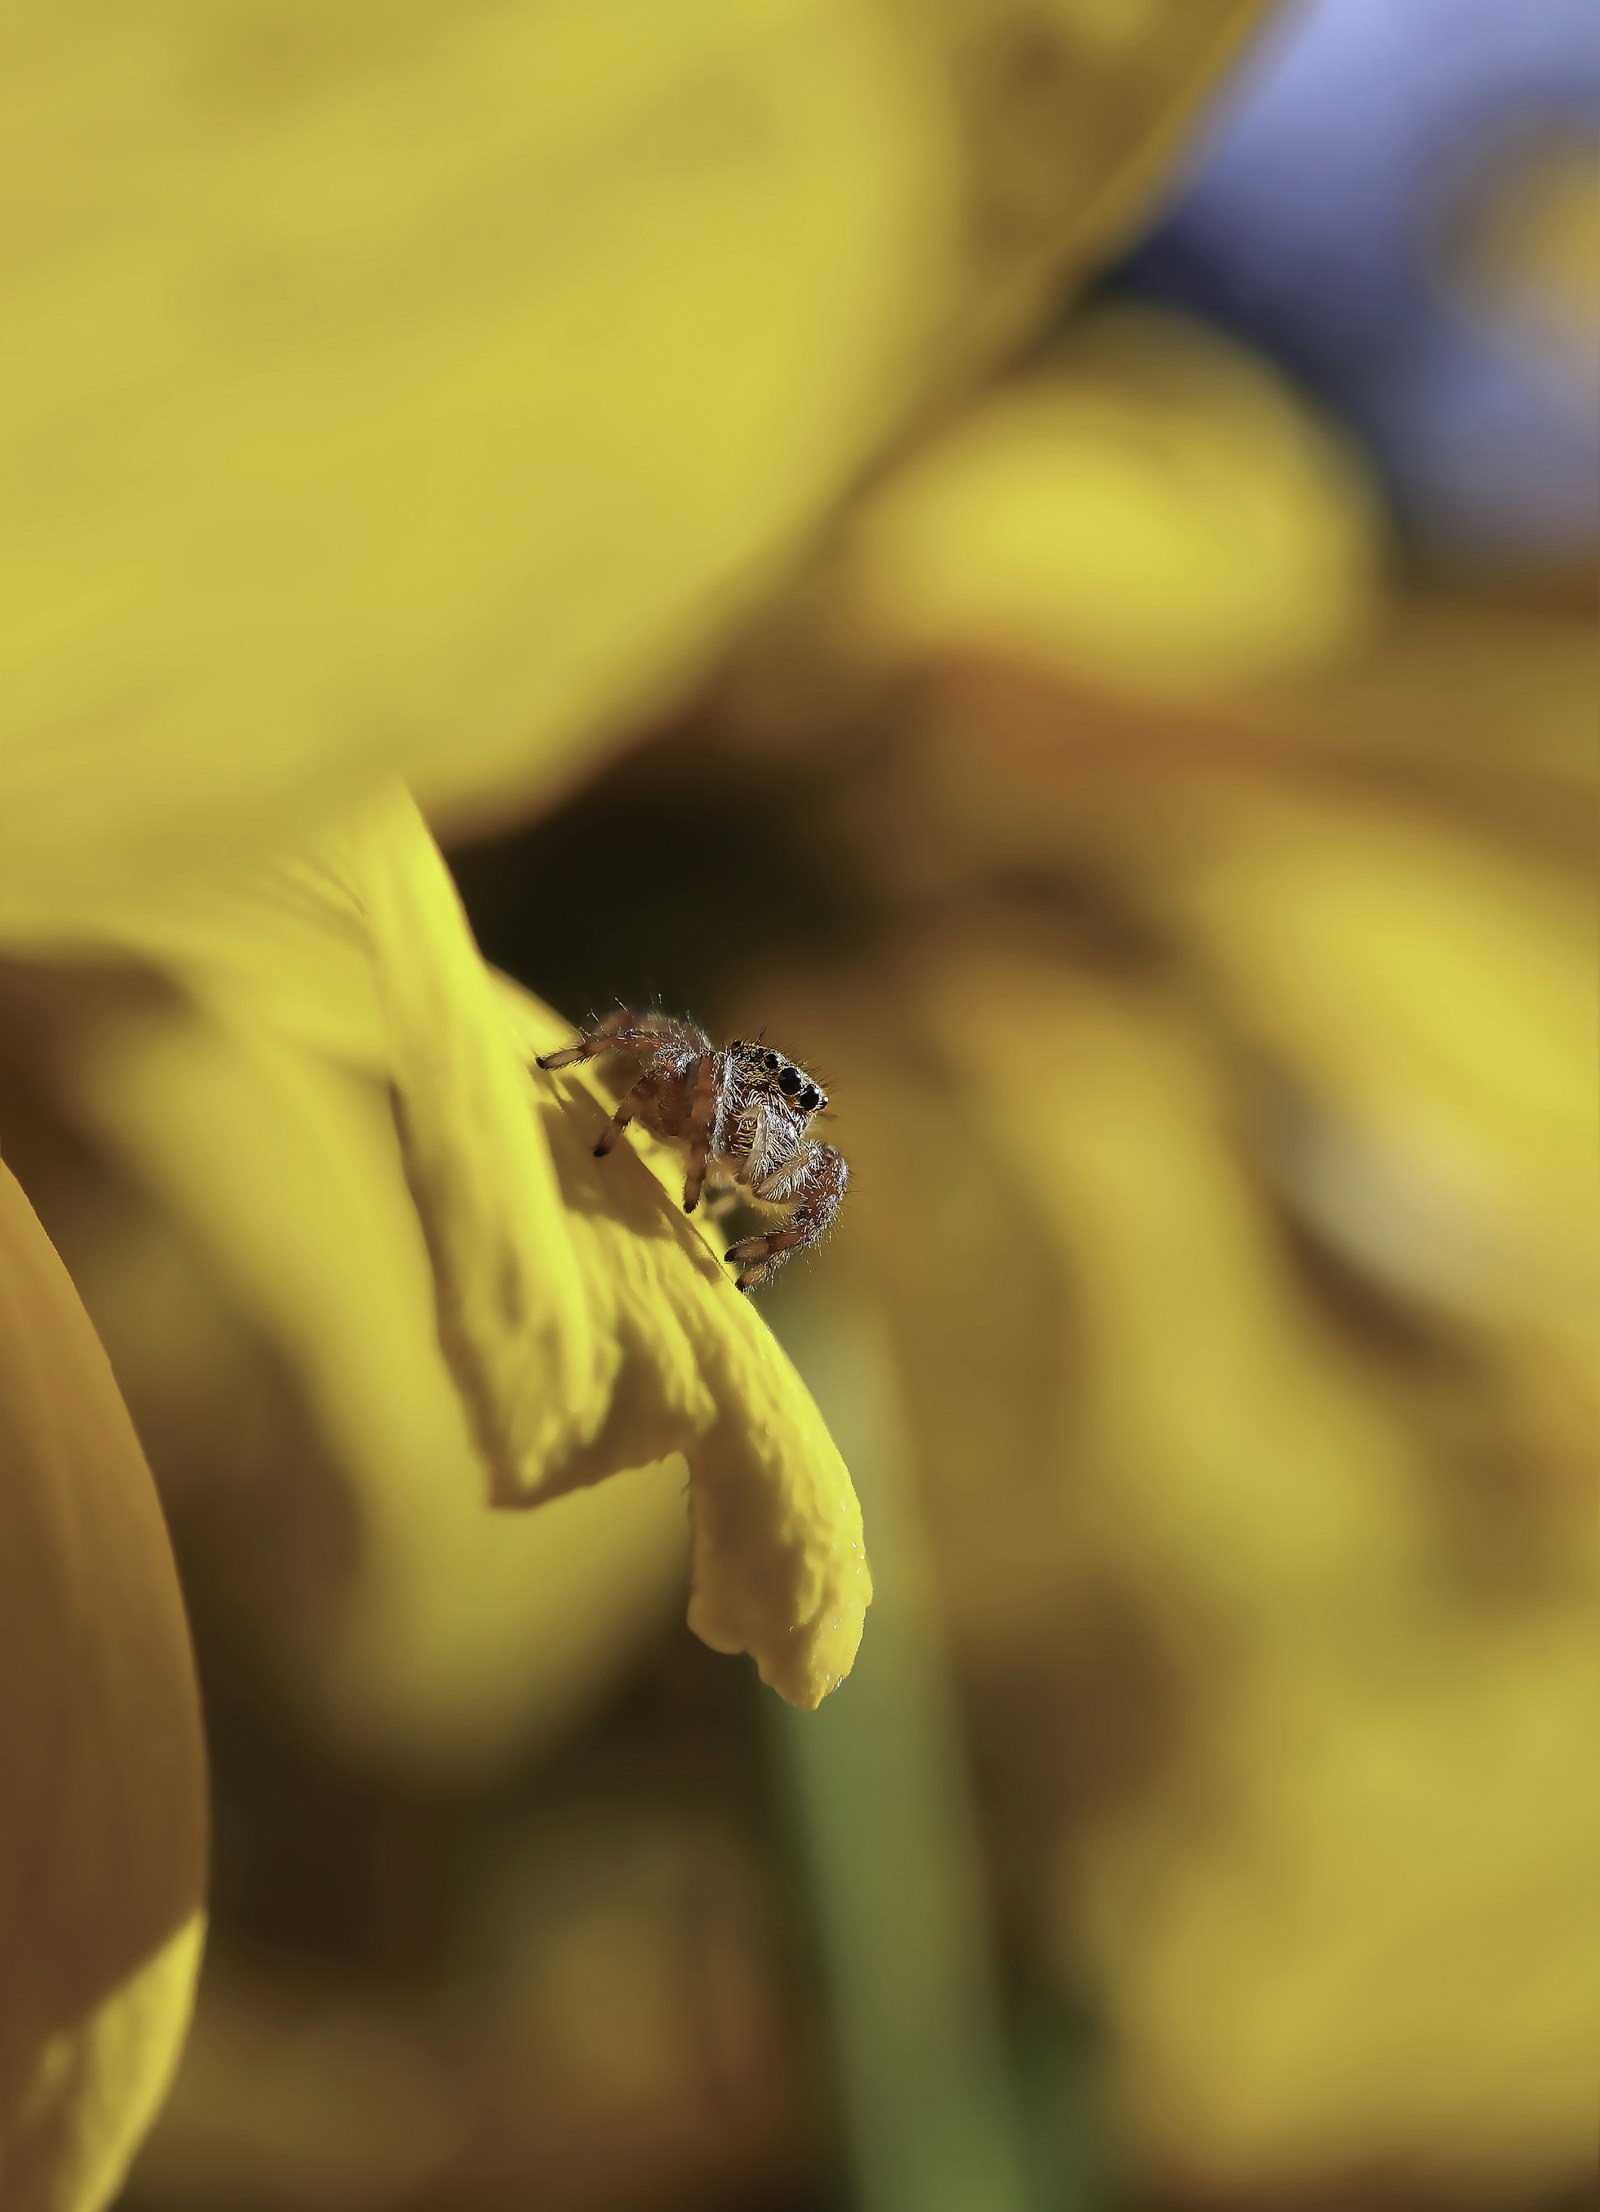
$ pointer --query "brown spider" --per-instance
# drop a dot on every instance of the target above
(742, 1112)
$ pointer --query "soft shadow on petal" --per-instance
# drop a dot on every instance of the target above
(590, 1325)
(102, 1840)
(511, 1305)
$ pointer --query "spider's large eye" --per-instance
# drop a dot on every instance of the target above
(771, 1060)
(809, 1100)
(790, 1081)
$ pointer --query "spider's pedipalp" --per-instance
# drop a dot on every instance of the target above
(813, 1180)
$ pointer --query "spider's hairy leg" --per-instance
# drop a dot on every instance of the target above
(629, 1029)
(702, 1120)
(814, 1182)
(619, 1121)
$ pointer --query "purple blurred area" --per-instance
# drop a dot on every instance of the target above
(1315, 224)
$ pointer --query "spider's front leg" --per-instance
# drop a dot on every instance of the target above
(676, 1096)
(627, 1030)
(813, 1181)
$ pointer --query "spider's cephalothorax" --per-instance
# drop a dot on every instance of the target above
(743, 1112)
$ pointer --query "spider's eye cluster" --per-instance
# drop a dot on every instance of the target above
(805, 1095)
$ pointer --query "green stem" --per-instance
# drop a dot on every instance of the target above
(888, 1834)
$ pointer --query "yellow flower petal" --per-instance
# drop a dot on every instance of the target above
(589, 1327)
(419, 396)
(102, 1837)
(252, 1258)
(1276, 1602)
(1350, 1651)
(428, 397)
(589, 1324)
(1150, 511)
(1070, 112)
(1428, 988)
(1401, 1913)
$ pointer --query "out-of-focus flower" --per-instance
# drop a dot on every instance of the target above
(1150, 513)
(1216, 1040)
(102, 1812)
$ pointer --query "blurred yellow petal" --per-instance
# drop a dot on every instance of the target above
(418, 393)
(590, 1325)
(1149, 511)
(1206, 1370)
(1494, 699)
(1070, 113)
(965, 1270)
(1426, 992)
(1349, 1660)
(427, 395)
(1401, 1922)
(103, 1830)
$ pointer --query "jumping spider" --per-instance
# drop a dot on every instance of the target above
(743, 1113)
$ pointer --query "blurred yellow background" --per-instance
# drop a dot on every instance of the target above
(851, 519)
